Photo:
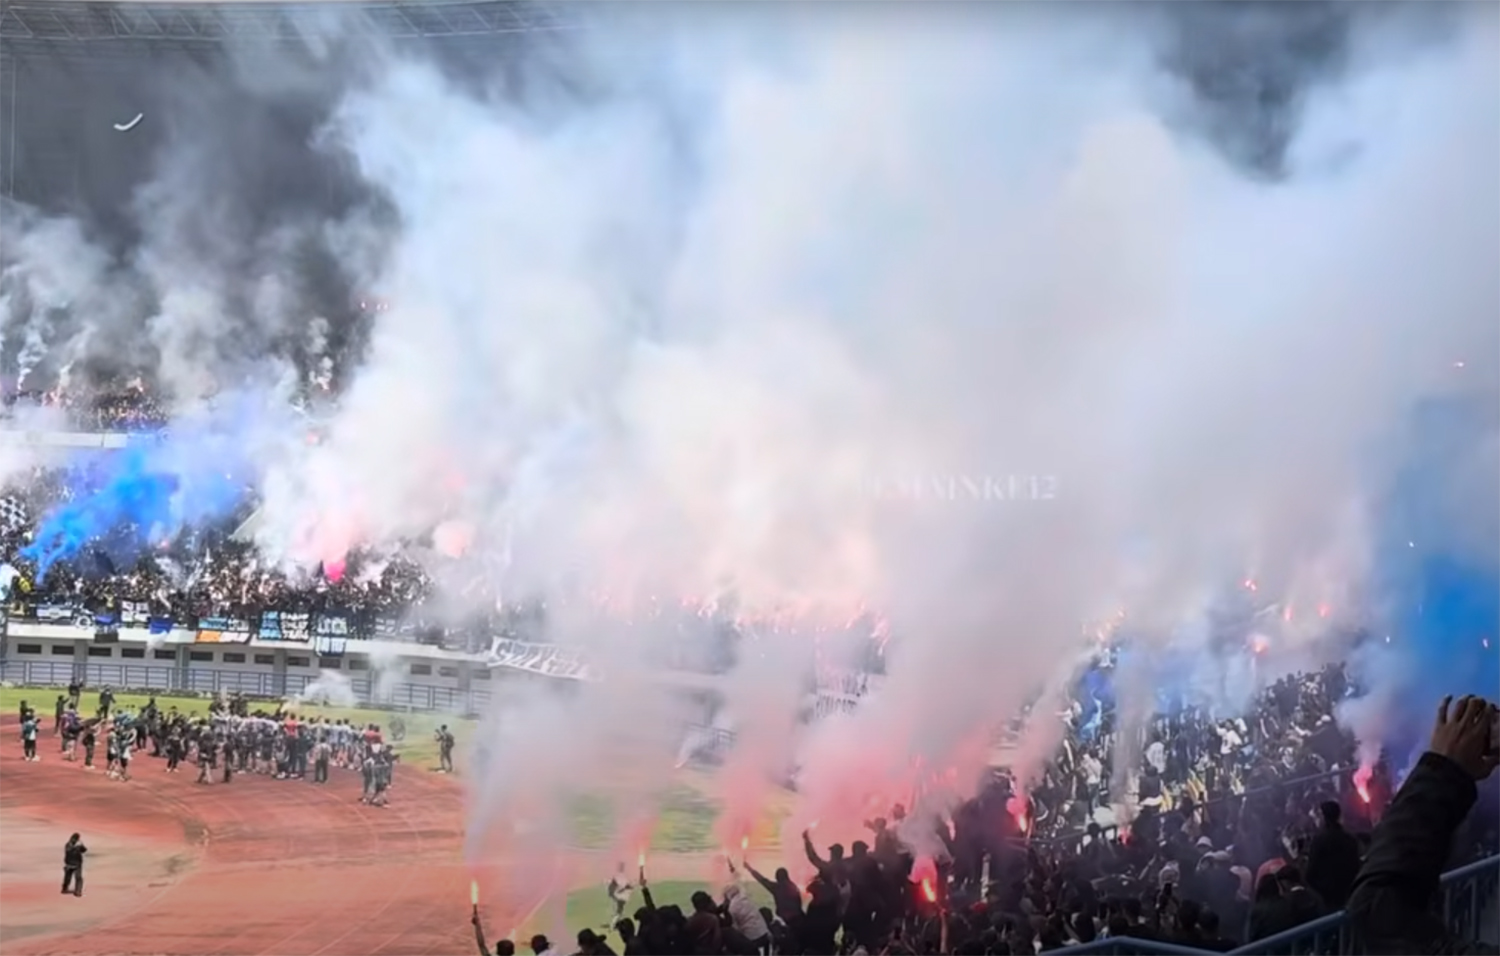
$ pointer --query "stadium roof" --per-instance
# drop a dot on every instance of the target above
(58, 23)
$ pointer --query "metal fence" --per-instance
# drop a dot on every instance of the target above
(1470, 899)
(205, 680)
(1468, 904)
(1130, 946)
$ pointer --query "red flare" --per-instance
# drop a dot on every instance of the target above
(929, 891)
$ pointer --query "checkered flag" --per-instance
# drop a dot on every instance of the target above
(13, 515)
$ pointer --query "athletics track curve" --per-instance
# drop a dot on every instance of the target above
(257, 867)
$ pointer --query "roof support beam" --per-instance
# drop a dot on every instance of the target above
(76, 21)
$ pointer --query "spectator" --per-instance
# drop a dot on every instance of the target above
(1390, 905)
(1333, 858)
(1269, 912)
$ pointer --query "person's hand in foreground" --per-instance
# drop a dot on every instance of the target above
(1464, 733)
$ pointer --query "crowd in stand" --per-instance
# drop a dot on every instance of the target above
(1290, 732)
(203, 571)
(123, 406)
(1205, 875)
(207, 571)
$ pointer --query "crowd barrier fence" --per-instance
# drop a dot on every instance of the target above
(197, 680)
(1468, 901)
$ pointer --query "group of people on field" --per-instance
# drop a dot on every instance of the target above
(229, 739)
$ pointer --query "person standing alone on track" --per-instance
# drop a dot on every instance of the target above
(73, 852)
(28, 737)
(445, 750)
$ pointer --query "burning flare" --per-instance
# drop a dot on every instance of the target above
(1362, 783)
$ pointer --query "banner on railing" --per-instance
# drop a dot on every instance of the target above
(328, 646)
(63, 615)
(331, 625)
(135, 614)
(285, 626)
(223, 630)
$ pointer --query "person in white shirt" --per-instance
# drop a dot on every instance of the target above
(1156, 756)
(619, 890)
(746, 918)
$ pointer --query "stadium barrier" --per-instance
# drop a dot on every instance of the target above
(1468, 900)
(1130, 946)
(1469, 903)
(204, 681)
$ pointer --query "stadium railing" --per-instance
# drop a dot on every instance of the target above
(1470, 899)
(195, 680)
(1130, 946)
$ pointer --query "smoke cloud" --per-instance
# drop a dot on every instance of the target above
(672, 321)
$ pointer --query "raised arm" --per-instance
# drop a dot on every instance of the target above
(812, 855)
(479, 934)
(646, 895)
(766, 884)
(1388, 908)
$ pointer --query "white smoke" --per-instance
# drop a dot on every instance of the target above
(387, 671)
(866, 266)
(671, 332)
(329, 688)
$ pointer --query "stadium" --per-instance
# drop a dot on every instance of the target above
(748, 479)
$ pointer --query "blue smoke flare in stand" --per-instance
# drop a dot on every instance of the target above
(143, 495)
(1438, 571)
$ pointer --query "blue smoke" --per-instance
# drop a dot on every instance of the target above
(145, 494)
(1437, 579)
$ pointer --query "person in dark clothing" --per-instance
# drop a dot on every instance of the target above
(1269, 911)
(1389, 907)
(591, 943)
(1212, 940)
(1333, 858)
(206, 745)
(1303, 905)
(445, 749)
(704, 933)
(73, 852)
(89, 741)
(783, 891)
(175, 749)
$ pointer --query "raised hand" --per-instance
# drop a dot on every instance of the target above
(1464, 733)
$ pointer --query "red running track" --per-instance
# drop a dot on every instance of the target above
(257, 866)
